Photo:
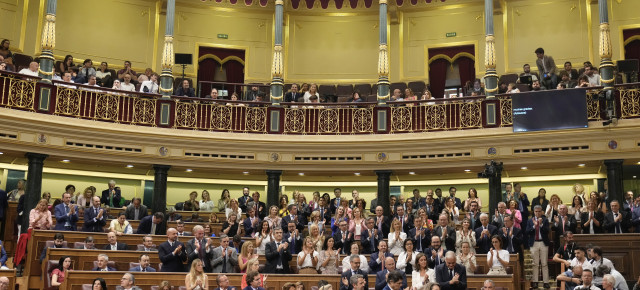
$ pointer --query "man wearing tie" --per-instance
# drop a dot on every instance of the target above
(432, 206)
(244, 199)
(224, 258)
(343, 238)
(617, 221)
(103, 261)
(484, 232)
(293, 216)
(354, 261)
(113, 244)
(382, 222)
(563, 223)
(223, 283)
(136, 210)
(152, 225)
(66, 215)
(294, 239)
(277, 254)
(147, 244)
(199, 248)
(435, 254)
(498, 217)
(94, 219)
(111, 197)
(325, 213)
(335, 202)
(180, 229)
(144, 265)
(376, 261)
(251, 223)
(405, 220)
(171, 253)
(420, 235)
(538, 228)
(383, 275)
(446, 233)
(474, 215)
(259, 206)
(451, 275)
(370, 238)
(511, 236)
(254, 280)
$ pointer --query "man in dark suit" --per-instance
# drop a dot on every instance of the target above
(376, 261)
(452, 194)
(172, 216)
(253, 281)
(103, 261)
(251, 223)
(244, 199)
(298, 220)
(152, 225)
(88, 244)
(420, 235)
(446, 233)
(389, 267)
(171, 253)
(484, 232)
(113, 244)
(259, 206)
(406, 220)
(136, 210)
(617, 221)
(547, 68)
(3, 204)
(354, 261)
(294, 238)
(293, 95)
(323, 210)
(395, 281)
(111, 196)
(538, 234)
(473, 215)
(144, 265)
(435, 254)
(66, 214)
(592, 220)
(382, 223)
(335, 202)
(372, 205)
(418, 201)
(571, 72)
(223, 283)
(181, 231)
(94, 217)
(563, 223)
(343, 238)
(277, 254)
(185, 90)
(370, 237)
(511, 237)
(224, 259)
(432, 206)
(451, 275)
(147, 244)
(199, 248)
(58, 242)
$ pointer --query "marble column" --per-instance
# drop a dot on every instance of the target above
(168, 57)
(614, 179)
(490, 77)
(273, 187)
(33, 192)
(277, 68)
(383, 57)
(383, 190)
(159, 200)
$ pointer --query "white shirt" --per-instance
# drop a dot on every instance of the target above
(503, 254)
(151, 86)
(416, 280)
(307, 95)
(308, 262)
(395, 246)
(27, 71)
(127, 87)
(402, 261)
(207, 205)
(346, 265)
(585, 264)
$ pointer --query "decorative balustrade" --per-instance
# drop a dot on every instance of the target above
(94, 103)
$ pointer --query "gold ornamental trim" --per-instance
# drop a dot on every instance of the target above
(383, 61)
(279, 2)
(168, 58)
(490, 52)
(383, 1)
(49, 33)
(605, 41)
(452, 59)
(277, 68)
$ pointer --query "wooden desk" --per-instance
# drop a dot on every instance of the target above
(11, 274)
(10, 235)
(188, 226)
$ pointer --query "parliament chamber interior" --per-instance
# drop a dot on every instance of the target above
(320, 144)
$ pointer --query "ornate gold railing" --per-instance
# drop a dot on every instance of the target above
(26, 93)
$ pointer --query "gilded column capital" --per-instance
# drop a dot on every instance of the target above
(383, 1)
(49, 32)
(605, 41)
(279, 2)
(490, 52)
(383, 61)
(278, 63)
(168, 58)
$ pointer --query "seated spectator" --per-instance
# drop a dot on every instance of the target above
(152, 225)
(223, 283)
(567, 81)
(195, 218)
(293, 95)
(120, 225)
(583, 82)
(103, 261)
(571, 277)
(603, 271)
(512, 89)
(150, 86)
(596, 259)
(58, 242)
(32, 70)
(502, 88)
(66, 64)
(3, 257)
(536, 86)
(288, 286)
(99, 284)
(85, 72)
(146, 75)
(253, 265)
(196, 278)
(5, 53)
(254, 280)
(181, 231)
(593, 75)
(571, 72)
(117, 85)
(105, 79)
(185, 91)
(147, 244)
(409, 95)
(88, 244)
(136, 210)
(355, 98)
(497, 258)
(92, 82)
(587, 281)
(396, 96)
(126, 85)
(477, 88)
(3, 66)
(193, 203)
(389, 267)
(313, 91)
(165, 285)
(40, 216)
(59, 273)
(234, 97)
(527, 72)
(126, 70)
(214, 94)
(113, 244)
(128, 282)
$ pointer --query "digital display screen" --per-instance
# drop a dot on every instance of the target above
(549, 110)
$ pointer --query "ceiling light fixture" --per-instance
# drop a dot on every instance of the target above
(467, 170)
(301, 173)
(581, 165)
(412, 173)
(524, 168)
(3, 153)
(245, 172)
(189, 170)
(129, 166)
(356, 173)
(65, 161)
(635, 176)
